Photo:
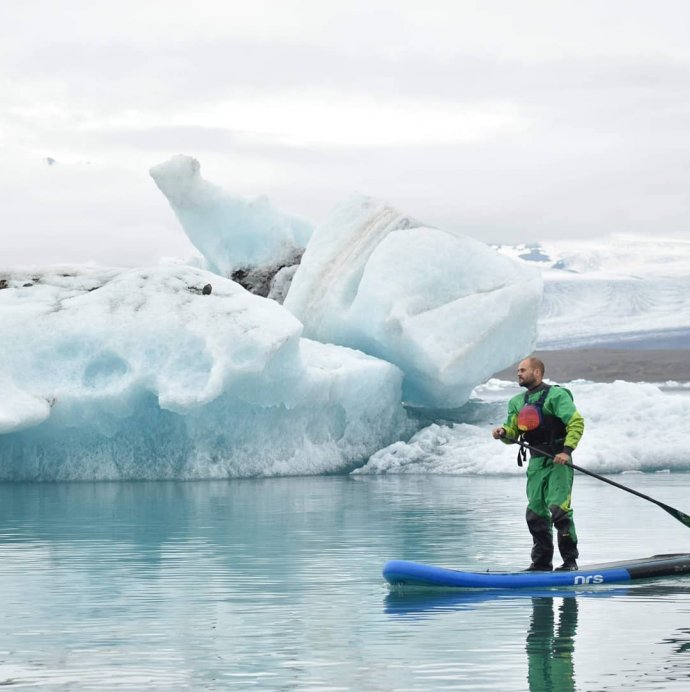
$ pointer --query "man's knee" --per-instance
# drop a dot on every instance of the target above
(536, 522)
(560, 517)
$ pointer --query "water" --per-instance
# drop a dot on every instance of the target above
(276, 584)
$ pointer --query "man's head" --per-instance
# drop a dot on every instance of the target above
(530, 372)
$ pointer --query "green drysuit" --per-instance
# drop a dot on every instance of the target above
(549, 485)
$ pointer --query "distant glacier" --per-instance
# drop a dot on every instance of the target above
(623, 291)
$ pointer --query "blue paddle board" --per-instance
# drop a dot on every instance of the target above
(405, 573)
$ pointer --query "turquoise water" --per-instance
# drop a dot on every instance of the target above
(276, 584)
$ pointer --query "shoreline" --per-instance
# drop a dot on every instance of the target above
(610, 364)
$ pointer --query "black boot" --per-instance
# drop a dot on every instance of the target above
(569, 565)
(542, 542)
(567, 546)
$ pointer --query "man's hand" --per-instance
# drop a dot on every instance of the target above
(562, 458)
(498, 433)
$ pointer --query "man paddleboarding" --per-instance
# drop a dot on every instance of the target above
(545, 417)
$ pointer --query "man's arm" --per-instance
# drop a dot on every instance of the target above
(509, 430)
(574, 429)
(564, 408)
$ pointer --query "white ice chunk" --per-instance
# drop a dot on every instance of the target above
(19, 410)
(618, 418)
(230, 232)
(447, 309)
(280, 283)
(151, 377)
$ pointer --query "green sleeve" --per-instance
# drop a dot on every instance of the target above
(510, 425)
(573, 431)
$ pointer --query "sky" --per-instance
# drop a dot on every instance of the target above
(511, 122)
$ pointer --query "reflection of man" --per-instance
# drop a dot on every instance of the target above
(549, 650)
(546, 417)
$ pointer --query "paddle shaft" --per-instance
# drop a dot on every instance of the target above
(683, 518)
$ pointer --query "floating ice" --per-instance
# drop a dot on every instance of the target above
(140, 374)
(448, 310)
(247, 241)
(622, 424)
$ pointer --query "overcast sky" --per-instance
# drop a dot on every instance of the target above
(511, 121)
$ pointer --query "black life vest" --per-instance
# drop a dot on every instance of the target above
(539, 429)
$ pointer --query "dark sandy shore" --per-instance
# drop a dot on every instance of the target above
(609, 364)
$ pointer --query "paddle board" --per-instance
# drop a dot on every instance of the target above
(405, 573)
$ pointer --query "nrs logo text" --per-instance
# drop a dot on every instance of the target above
(589, 579)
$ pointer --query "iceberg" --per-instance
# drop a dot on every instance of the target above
(448, 310)
(182, 372)
(174, 372)
(249, 241)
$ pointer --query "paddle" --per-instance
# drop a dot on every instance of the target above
(676, 514)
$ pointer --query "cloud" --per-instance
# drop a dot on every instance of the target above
(557, 120)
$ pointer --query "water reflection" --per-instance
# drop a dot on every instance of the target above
(551, 621)
(680, 642)
(550, 640)
(551, 644)
(422, 604)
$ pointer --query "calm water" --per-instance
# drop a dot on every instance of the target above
(275, 584)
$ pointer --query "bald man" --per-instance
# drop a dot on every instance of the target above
(545, 417)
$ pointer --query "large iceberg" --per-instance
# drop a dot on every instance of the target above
(447, 309)
(249, 241)
(174, 372)
(178, 372)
